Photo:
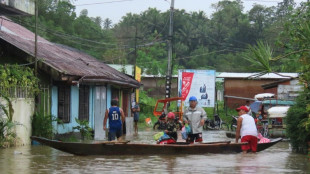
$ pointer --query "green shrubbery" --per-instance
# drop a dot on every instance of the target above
(7, 126)
(298, 123)
(42, 125)
(12, 76)
(83, 127)
(7, 133)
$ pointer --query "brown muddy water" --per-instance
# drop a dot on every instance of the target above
(43, 159)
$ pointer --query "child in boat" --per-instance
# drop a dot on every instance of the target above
(171, 130)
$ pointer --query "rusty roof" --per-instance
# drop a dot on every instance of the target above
(65, 60)
(263, 76)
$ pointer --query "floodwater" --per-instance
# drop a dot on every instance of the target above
(43, 159)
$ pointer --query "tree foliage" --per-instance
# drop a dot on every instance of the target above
(298, 30)
(259, 57)
(12, 76)
(199, 41)
(278, 38)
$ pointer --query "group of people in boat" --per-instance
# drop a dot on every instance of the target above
(195, 117)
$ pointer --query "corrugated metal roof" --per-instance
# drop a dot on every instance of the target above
(66, 60)
(265, 76)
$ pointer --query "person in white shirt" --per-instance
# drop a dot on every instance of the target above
(246, 130)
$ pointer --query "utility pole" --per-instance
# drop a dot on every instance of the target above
(169, 71)
(135, 61)
(36, 40)
(36, 52)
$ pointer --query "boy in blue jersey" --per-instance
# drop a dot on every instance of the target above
(116, 119)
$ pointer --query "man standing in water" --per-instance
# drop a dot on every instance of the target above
(135, 111)
(116, 119)
(246, 129)
(195, 116)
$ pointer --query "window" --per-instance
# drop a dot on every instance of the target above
(64, 103)
(84, 102)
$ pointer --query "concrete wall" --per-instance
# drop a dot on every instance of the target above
(26, 6)
(23, 111)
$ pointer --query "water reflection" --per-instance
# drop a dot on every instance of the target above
(42, 159)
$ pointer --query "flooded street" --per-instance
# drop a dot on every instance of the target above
(43, 159)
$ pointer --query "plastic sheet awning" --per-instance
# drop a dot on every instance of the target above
(278, 111)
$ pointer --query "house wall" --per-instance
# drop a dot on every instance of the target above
(74, 111)
(272, 90)
(23, 112)
(66, 127)
(289, 90)
(74, 108)
(242, 88)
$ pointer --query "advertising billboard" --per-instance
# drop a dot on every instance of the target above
(198, 83)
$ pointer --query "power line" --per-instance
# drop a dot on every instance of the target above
(109, 2)
(263, 1)
(64, 35)
(43, 28)
(102, 43)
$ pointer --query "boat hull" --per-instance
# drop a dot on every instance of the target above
(114, 148)
(273, 133)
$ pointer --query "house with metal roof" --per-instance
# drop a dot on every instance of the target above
(239, 87)
(80, 86)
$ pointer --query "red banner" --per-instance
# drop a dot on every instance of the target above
(187, 78)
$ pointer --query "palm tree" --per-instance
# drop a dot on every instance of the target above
(260, 56)
(107, 23)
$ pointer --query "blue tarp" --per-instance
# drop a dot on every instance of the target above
(255, 106)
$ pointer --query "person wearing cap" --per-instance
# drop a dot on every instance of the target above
(195, 116)
(246, 129)
(171, 126)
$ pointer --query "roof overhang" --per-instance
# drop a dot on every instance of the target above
(275, 84)
(101, 80)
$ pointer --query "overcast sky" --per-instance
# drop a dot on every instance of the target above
(115, 9)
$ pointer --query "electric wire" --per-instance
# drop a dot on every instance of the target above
(109, 2)
(64, 36)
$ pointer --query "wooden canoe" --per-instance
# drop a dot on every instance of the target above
(125, 148)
